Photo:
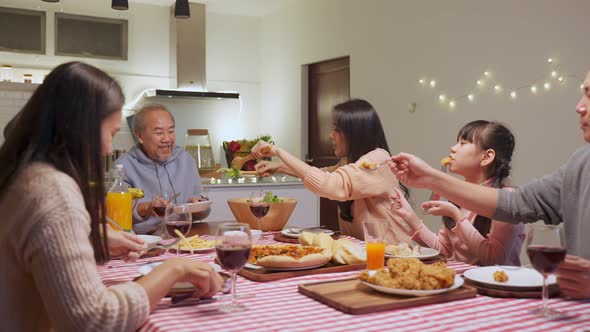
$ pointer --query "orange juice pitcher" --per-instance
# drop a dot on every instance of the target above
(118, 201)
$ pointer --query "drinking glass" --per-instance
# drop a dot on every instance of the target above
(545, 246)
(233, 243)
(258, 206)
(160, 201)
(374, 230)
(177, 217)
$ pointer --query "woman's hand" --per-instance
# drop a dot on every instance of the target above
(411, 170)
(125, 245)
(573, 277)
(263, 149)
(267, 168)
(402, 208)
(442, 208)
(145, 209)
(201, 274)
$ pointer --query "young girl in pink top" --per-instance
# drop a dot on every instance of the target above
(482, 155)
(362, 193)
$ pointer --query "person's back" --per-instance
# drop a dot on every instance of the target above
(48, 263)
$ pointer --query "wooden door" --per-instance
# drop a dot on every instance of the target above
(329, 85)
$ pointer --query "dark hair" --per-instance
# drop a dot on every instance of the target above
(358, 121)
(61, 125)
(490, 135)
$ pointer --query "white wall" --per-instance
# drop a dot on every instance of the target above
(394, 43)
(233, 56)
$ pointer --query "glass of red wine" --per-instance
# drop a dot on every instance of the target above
(546, 248)
(233, 244)
(177, 217)
(160, 201)
(259, 206)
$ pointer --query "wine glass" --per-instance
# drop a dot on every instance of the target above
(177, 217)
(259, 206)
(233, 244)
(545, 246)
(160, 201)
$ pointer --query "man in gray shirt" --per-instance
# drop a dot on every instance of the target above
(562, 196)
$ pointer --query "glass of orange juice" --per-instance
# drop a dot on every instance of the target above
(374, 230)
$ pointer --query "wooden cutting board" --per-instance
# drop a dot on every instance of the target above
(512, 293)
(351, 296)
(269, 275)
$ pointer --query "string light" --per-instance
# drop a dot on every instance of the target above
(554, 73)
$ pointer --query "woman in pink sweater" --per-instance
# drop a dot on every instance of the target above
(482, 155)
(53, 232)
(360, 142)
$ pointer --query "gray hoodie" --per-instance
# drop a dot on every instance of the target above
(178, 174)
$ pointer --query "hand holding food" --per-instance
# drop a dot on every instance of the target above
(411, 170)
(267, 168)
(263, 149)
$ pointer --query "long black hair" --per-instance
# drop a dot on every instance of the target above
(359, 122)
(489, 135)
(61, 125)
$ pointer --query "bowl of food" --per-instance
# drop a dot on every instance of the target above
(200, 210)
(276, 218)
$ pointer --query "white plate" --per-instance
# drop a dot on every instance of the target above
(518, 277)
(286, 232)
(258, 267)
(411, 292)
(425, 253)
(149, 239)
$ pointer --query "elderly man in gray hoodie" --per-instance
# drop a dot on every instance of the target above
(156, 165)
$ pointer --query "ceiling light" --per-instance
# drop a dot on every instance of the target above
(120, 4)
(181, 9)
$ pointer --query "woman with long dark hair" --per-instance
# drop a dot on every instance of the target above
(481, 155)
(362, 188)
(53, 231)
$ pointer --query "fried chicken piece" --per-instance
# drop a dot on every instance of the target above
(411, 273)
(500, 276)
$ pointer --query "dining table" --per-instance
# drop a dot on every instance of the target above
(279, 306)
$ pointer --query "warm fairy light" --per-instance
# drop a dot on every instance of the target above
(488, 83)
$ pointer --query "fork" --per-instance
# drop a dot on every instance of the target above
(162, 246)
(375, 167)
(301, 230)
(434, 196)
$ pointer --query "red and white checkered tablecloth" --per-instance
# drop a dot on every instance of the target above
(278, 306)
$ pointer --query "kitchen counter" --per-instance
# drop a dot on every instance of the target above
(277, 179)
(306, 213)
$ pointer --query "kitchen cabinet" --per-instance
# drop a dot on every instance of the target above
(306, 213)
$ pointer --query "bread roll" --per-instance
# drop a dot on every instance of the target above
(323, 240)
(353, 254)
(307, 238)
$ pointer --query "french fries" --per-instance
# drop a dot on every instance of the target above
(195, 242)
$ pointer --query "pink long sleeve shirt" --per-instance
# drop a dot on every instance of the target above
(370, 191)
(464, 242)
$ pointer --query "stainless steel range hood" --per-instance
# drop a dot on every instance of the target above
(188, 48)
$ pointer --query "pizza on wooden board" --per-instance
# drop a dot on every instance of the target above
(289, 256)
